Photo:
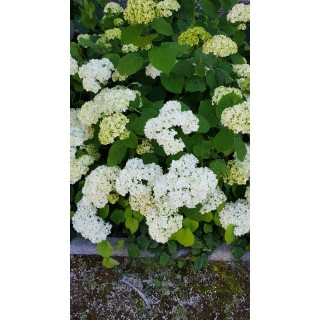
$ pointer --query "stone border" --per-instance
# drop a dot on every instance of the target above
(80, 245)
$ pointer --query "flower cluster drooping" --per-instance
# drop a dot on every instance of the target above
(112, 127)
(238, 214)
(94, 73)
(106, 102)
(152, 72)
(220, 45)
(222, 91)
(193, 36)
(239, 170)
(73, 66)
(99, 185)
(239, 13)
(237, 118)
(113, 7)
(86, 222)
(171, 115)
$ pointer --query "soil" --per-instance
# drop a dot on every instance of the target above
(221, 291)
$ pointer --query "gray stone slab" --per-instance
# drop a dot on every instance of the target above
(80, 245)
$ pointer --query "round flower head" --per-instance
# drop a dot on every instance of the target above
(239, 13)
(164, 8)
(220, 46)
(238, 214)
(94, 73)
(118, 22)
(113, 8)
(99, 184)
(88, 224)
(241, 70)
(237, 118)
(111, 34)
(193, 36)
(140, 11)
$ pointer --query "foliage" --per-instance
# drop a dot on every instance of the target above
(147, 60)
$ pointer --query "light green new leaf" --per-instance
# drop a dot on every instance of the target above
(104, 249)
(132, 224)
(229, 236)
(109, 263)
(191, 224)
(185, 237)
(119, 245)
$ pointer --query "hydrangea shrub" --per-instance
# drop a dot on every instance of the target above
(160, 126)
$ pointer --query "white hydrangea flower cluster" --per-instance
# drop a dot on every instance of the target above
(164, 8)
(73, 66)
(241, 70)
(183, 185)
(152, 72)
(112, 34)
(238, 214)
(237, 118)
(86, 222)
(239, 13)
(213, 200)
(144, 147)
(220, 45)
(113, 7)
(126, 48)
(106, 102)
(78, 133)
(171, 115)
(112, 127)
(79, 166)
(99, 184)
(118, 22)
(222, 91)
(161, 227)
(239, 170)
(140, 11)
(94, 73)
(138, 180)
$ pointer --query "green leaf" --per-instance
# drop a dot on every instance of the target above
(183, 67)
(104, 249)
(207, 217)
(207, 111)
(187, 9)
(181, 263)
(138, 215)
(198, 263)
(164, 259)
(219, 167)
(116, 153)
(191, 224)
(127, 212)
(195, 83)
(208, 8)
(78, 196)
(149, 158)
(204, 125)
(172, 83)
(103, 212)
(130, 34)
(185, 237)
(75, 51)
(227, 101)
(238, 252)
(87, 20)
(133, 250)
(109, 263)
(229, 236)
(119, 245)
(240, 148)
(130, 64)
(132, 224)
(239, 37)
(156, 57)
(117, 216)
(172, 247)
(211, 78)
(131, 142)
(143, 242)
(223, 140)
(163, 27)
(207, 228)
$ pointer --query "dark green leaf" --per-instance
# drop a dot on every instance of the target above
(117, 216)
(130, 34)
(164, 259)
(163, 27)
(219, 167)
(172, 83)
(223, 140)
(211, 78)
(116, 153)
(132, 141)
(207, 111)
(207, 228)
(130, 64)
(133, 250)
(204, 125)
(156, 57)
(103, 212)
(149, 158)
(194, 84)
(183, 67)
(172, 247)
(240, 148)
(227, 101)
(208, 8)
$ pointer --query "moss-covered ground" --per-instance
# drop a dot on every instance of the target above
(221, 291)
